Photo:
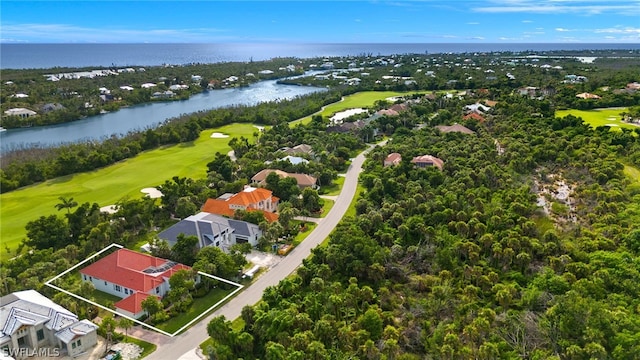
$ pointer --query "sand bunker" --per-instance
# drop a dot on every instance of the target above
(109, 209)
(152, 192)
(261, 128)
(217, 135)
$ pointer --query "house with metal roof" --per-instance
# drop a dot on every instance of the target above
(29, 320)
(213, 230)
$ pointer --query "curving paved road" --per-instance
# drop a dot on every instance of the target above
(181, 346)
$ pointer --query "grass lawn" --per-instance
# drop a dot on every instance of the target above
(302, 235)
(103, 298)
(602, 117)
(358, 100)
(199, 306)
(333, 189)
(108, 185)
(328, 204)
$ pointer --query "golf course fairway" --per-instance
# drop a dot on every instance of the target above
(599, 117)
(107, 185)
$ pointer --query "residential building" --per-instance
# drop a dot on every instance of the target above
(303, 180)
(424, 161)
(131, 276)
(213, 230)
(249, 199)
(32, 321)
(587, 96)
(392, 159)
(20, 112)
(474, 116)
(455, 128)
(298, 149)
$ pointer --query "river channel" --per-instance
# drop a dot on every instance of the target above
(145, 116)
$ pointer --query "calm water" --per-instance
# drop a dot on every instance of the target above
(144, 116)
(24, 56)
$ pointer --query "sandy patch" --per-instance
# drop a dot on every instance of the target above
(612, 124)
(109, 209)
(217, 135)
(612, 118)
(152, 192)
(394, 98)
(261, 128)
(346, 113)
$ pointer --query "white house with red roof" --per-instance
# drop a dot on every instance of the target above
(131, 276)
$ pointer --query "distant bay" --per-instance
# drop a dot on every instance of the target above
(145, 116)
(30, 56)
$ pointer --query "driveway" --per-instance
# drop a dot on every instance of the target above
(176, 347)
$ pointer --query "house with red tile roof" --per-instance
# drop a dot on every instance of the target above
(249, 199)
(392, 159)
(132, 276)
(474, 116)
(424, 161)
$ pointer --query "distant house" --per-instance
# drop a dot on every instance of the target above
(392, 159)
(20, 112)
(387, 112)
(131, 276)
(303, 180)
(298, 149)
(587, 96)
(196, 78)
(424, 161)
(213, 230)
(455, 128)
(126, 88)
(249, 199)
(148, 85)
(529, 91)
(51, 107)
(474, 116)
(399, 107)
(30, 320)
(477, 108)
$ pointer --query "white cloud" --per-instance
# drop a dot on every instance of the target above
(583, 7)
(527, 21)
(71, 33)
(473, 23)
(619, 30)
(562, 30)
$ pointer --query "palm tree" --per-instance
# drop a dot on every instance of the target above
(66, 203)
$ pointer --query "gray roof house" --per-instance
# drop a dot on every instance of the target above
(213, 230)
(32, 321)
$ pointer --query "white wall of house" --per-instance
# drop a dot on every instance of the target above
(121, 291)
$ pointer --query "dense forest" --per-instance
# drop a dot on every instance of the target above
(464, 263)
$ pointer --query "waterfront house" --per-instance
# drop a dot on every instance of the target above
(20, 112)
(32, 321)
(131, 276)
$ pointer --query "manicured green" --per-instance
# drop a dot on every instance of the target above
(358, 100)
(108, 185)
(599, 117)
(199, 306)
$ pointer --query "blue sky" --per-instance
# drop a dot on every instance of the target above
(396, 21)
